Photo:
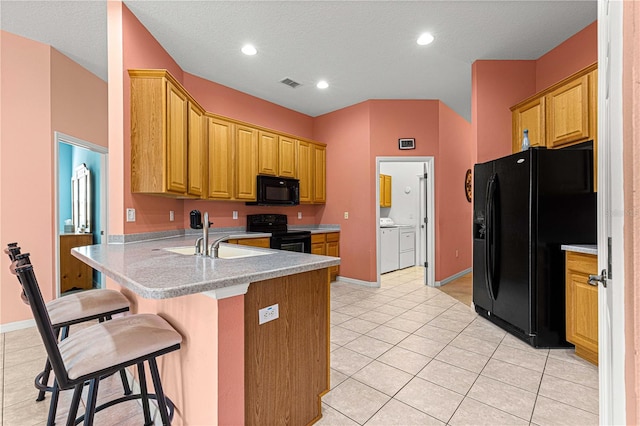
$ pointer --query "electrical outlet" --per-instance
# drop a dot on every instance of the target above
(131, 215)
(346, 215)
(299, 215)
(456, 253)
(268, 314)
(235, 215)
(172, 216)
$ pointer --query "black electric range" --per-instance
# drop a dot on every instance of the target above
(281, 237)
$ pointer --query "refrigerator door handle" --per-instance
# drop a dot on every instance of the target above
(490, 237)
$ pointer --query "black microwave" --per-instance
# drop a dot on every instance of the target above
(276, 191)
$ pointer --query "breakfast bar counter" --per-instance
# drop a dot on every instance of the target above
(233, 367)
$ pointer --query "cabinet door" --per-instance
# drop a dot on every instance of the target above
(73, 272)
(176, 149)
(255, 242)
(582, 305)
(267, 153)
(568, 113)
(387, 191)
(287, 157)
(381, 181)
(304, 171)
(246, 152)
(318, 248)
(220, 148)
(319, 174)
(530, 116)
(197, 151)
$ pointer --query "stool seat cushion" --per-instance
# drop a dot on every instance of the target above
(115, 342)
(76, 306)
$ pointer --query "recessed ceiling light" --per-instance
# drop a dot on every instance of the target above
(322, 84)
(248, 49)
(425, 38)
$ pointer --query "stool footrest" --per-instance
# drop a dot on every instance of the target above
(170, 405)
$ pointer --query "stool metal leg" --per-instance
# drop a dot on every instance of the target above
(47, 368)
(91, 402)
(53, 404)
(157, 384)
(144, 394)
(75, 402)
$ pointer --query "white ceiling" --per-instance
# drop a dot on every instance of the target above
(364, 49)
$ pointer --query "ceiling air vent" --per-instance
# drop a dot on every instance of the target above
(290, 83)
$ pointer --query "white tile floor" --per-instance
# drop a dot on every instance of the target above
(403, 354)
(406, 354)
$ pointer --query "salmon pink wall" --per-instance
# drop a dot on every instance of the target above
(141, 50)
(25, 158)
(78, 101)
(577, 52)
(349, 180)
(454, 212)
(497, 86)
(42, 91)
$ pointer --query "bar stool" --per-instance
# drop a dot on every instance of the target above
(101, 350)
(75, 308)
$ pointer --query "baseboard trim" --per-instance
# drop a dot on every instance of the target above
(357, 282)
(17, 325)
(453, 277)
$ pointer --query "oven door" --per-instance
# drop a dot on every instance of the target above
(299, 243)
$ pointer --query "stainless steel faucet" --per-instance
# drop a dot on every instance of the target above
(202, 243)
(216, 245)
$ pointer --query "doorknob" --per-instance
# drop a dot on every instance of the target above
(595, 279)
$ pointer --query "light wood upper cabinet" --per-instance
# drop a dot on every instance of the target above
(568, 113)
(158, 135)
(312, 172)
(178, 149)
(287, 157)
(530, 116)
(304, 171)
(562, 115)
(319, 153)
(220, 148)
(267, 153)
(246, 162)
(197, 151)
(385, 190)
(582, 305)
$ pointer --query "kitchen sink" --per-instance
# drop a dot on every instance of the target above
(224, 251)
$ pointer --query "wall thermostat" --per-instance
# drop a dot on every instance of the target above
(407, 143)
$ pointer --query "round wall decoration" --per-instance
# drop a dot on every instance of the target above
(468, 184)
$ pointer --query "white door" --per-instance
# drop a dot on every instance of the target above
(610, 214)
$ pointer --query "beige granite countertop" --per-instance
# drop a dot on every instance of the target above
(581, 248)
(152, 272)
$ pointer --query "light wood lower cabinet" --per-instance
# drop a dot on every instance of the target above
(327, 244)
(74, 274)
(254, 242)
(287, 359)
(582, 305)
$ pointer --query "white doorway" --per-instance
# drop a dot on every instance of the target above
(66, 148)
(611, 315)
(418, 211)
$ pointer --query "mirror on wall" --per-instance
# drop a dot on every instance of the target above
(81, 199)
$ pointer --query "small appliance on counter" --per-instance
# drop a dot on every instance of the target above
(281, 237)
(386, 222)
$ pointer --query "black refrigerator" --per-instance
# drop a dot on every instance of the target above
(526, 205)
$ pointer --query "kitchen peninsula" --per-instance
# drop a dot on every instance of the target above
(231, 369)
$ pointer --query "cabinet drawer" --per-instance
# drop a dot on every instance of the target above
(407, 258)
(317, 238)
(333, 236)
(407, 241)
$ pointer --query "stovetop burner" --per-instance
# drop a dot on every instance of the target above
(276, 224)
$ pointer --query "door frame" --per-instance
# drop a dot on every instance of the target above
(60, 137)
(430, 272)
(611, 330)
